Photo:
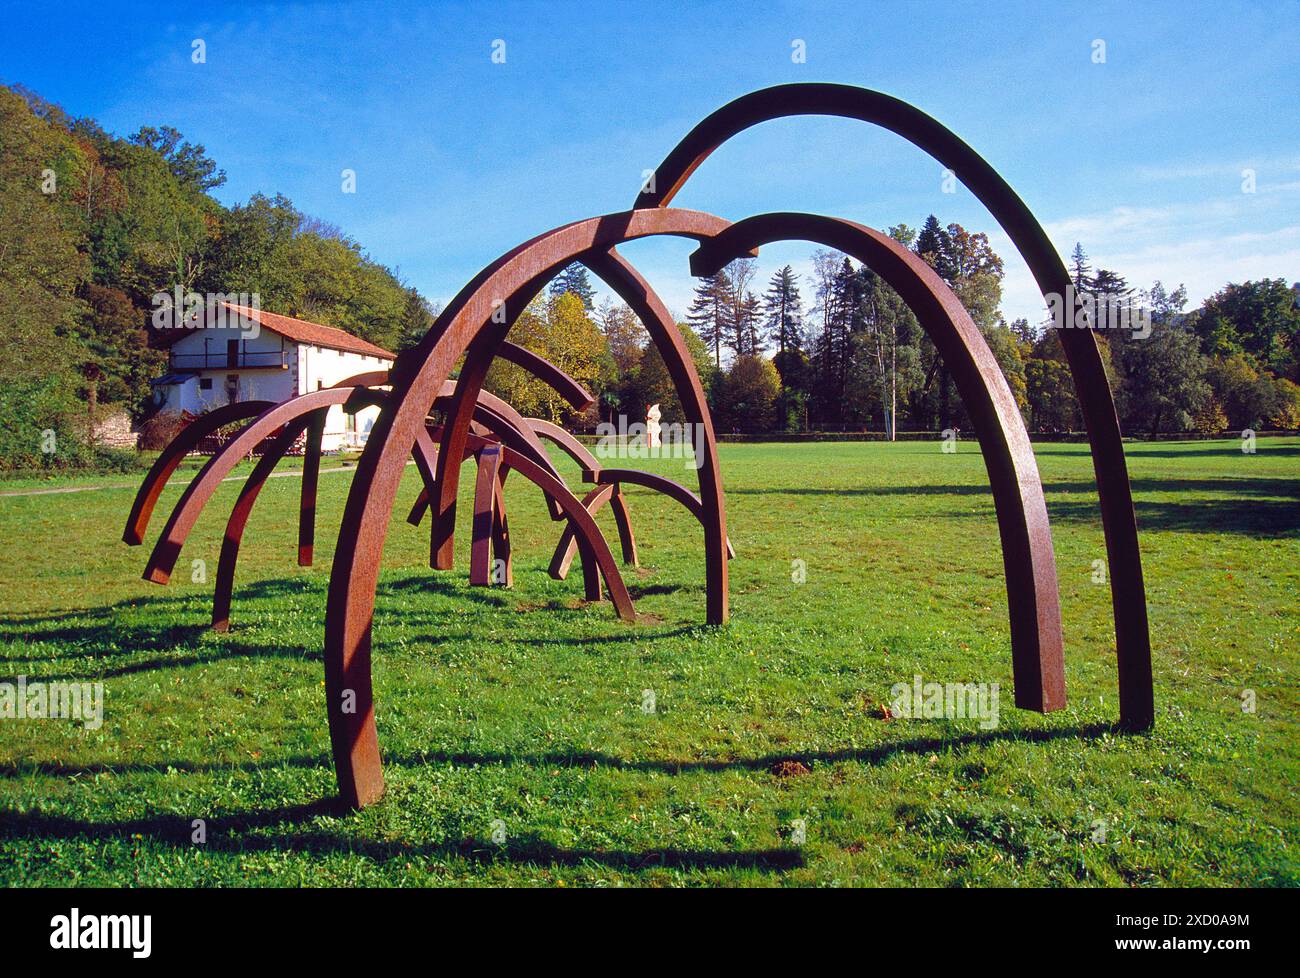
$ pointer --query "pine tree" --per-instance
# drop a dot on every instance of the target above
(783, 309)
(747, 339)
(934, 244)
(574, 279)
(417, 319)
(710, 312)
(1080, 270)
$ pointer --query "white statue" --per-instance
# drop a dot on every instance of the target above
(652, 426)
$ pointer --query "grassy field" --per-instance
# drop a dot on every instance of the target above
(767, 759)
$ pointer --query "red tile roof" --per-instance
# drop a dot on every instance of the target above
(313, 334)
(298, 330)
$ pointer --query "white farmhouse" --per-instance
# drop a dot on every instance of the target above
(242, 354)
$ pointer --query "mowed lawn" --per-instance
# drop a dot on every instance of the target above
(516, 743)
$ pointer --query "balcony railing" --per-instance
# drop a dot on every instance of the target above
(221, 360)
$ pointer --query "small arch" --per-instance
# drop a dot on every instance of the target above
(1028, 560)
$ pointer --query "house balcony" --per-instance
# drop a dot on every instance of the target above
(230, 360)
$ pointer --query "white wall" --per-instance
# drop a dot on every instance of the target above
(271, 382)
(320, 367)
(308, 368)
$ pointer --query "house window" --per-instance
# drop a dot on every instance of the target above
(232, 387)
(205, 383)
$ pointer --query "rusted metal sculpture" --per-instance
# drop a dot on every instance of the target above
(1028, 560)
(473, 324)
(359, 391)
(475, 327)
(1128, 592)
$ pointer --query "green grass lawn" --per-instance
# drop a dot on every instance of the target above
(520, 711)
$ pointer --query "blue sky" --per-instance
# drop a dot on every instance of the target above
(458, 159)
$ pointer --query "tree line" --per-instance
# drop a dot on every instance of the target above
(95, 226)
(840, 351)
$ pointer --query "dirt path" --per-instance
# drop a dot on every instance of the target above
(297, 474)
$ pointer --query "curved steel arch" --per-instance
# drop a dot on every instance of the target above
(576, 450)
(613, 479)
(1030, 567)
(1128, 591)
(498, 411)
(470, 325)
(566, 549)
(163, 558)
(146, 497)
(628, 284)
(243, 508)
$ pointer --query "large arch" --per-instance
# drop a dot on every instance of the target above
(1128, 591)
(473, 324)
(163, 558)
(1032, 599)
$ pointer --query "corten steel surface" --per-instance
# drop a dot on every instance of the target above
(578, 397)
(1128, 592)
(230, 544)
(614, 479)
(579, 453)
(244, 506)
(310, 480)
(486, 490)
(501, 529)
(1028, 560)
(628, 284)
(314, 423)
(589, 464)
(185, 442)
(291, 412)
(467, 326)
(567, 548)
(616, 272)
(596, 555)
(196, 495)
(673, 490)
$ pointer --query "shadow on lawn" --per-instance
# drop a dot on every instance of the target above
(96, 640)
(878, 754)
(1266, 508)
(1227, 448)
(242, 831)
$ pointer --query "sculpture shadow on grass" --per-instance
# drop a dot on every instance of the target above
(243, 831)
(239, 833)
(107, 642)
(871, 756)
(1264, 508)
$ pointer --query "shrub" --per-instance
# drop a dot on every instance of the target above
(1209, 418)
(41, 427)
(1287, 412)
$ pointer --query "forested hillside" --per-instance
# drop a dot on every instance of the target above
(93, 226)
